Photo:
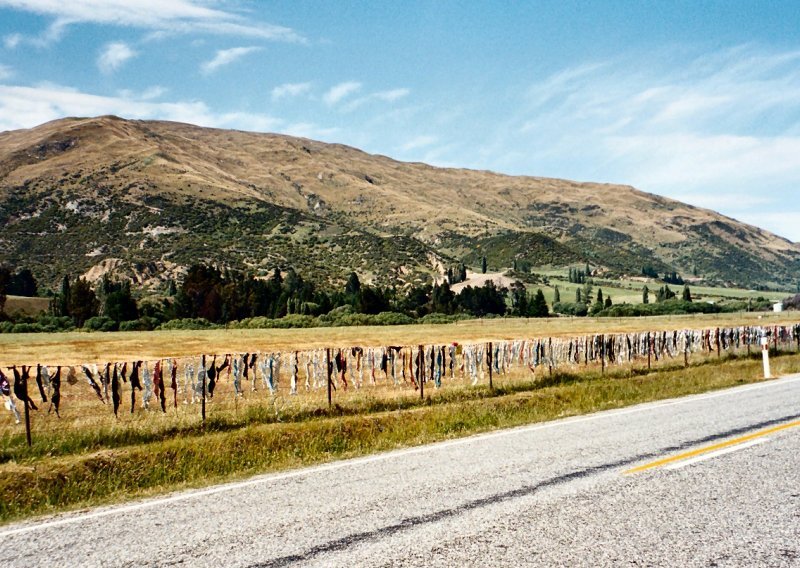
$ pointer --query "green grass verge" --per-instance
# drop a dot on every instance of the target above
(37, 483)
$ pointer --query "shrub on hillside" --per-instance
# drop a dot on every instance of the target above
(187, 323)
(142, 324)
(578, 309)
(100, 323)
(443, 318)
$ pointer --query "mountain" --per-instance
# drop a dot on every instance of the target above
(148, 198)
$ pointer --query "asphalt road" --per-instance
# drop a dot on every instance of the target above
(718, 485)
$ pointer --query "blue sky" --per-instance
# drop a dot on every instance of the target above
(695, 100)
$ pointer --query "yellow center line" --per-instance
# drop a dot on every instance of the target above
(706, 449)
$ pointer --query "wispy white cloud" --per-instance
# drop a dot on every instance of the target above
(152, 93)
(149, 94)
(310, 130)
(384, 96)
(173, 16)
(5, 72)
(418, 142)
(226, 57)
(113, 56)
(710, 129)
(339, 92)
(11, 41)
(783, 223)
(26, 107)
(290, 90)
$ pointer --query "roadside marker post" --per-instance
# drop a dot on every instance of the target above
(765, 356)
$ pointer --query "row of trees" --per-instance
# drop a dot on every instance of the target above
(664, 293)
(579, 276)
(222, 296)
(19, 283)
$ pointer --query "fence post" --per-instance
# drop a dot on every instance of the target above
(603, 354)
(421, 372)
(203, 402)
(719, 353)
(649, 352)
(491, 364)
(27, 411)
(329, 370)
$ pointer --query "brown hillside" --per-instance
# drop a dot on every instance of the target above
(107, 164)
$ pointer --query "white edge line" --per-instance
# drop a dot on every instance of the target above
(269, 478)
(717, 453)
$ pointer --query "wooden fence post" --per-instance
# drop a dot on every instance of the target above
(491, 364)
(421, 372)
(330, 380)
(27, 411)
(603, 354)
(649, 352)
(203, 402)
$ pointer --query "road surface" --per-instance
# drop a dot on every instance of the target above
(708, 480)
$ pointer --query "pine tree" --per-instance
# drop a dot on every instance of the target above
(599, 295)
(578, 298)
(645, 295)
(539, 307)
(63, 307)
(608, 303)
(556, 296)
(687, 294)
(484, 266)
(83, 303)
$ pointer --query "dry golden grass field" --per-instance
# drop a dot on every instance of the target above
(90, 456)
(82, 347)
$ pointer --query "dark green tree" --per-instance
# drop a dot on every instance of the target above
(538, 307)
(83, 302)
(443, 300)
(687, 294)
(519, 299)
(488, 299)
(5, 276)
(118, 303)
(371, 300)
(353, 285)
(645, 295)
(483, 265)
(63, 297)
(22, 284)
(556, 295)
